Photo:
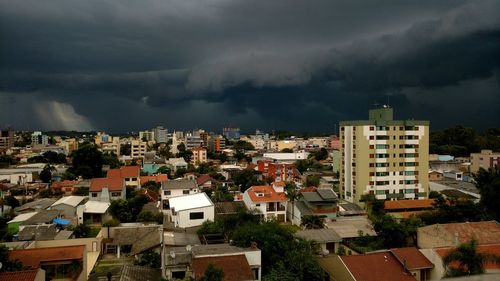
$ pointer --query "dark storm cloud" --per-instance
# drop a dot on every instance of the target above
(267, 64)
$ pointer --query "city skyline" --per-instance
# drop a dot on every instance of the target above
(124, 66)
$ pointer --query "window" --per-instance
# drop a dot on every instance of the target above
(196, 216)
(372, 137)
(257, 205)
(94, 194)
(166, 192)
(185, 191)
(116, 194)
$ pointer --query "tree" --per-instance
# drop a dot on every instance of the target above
(150, 258)
(466, 260)
(212, 273)
(312, 181)
(88, 161)
(319, 155)
(126, 149)
(488, 183)
(111, 159)
(46, 173)
(313, 222)
(152, 185)
(287, 150)
(243, 145)
(293, 194)
(12, 202)
(81, 231)
(392, 233)
(7, 264)
(245, 179)
(163, 170)
(120, 209)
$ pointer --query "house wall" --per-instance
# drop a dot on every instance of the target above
(337, 269)
(182, 218)
(254, 259)
(434, 236)
(67, 210)
(437, 272)
(40, 275)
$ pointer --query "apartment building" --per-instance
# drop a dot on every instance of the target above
(37, 138)
(199, 156)
(486, 159)
(384, 157)
(160, 134)
(6, 139)
(138, 148)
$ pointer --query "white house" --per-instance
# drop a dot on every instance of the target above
(177, 163)
(107, 189)
(93, 212)
(175, 188)
(191, 210)
(271, 201)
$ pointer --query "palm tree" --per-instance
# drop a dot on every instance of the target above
(293, 194)
(466, 260)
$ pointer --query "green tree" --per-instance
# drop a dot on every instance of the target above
(152, 185)
(111, 159)
(243, 145)
(392, 233)
(163, 170)
(120, 209)
(126, 149)
(46, 173)
(87, 161)
(488, 183)
(319, 155)
(293, 194)
(313, 222)
(150, 258)
(245, 179)
(12, 201)
(466, 260)
(81, 231)
(212, 273)
(312, 181)
(7, 264)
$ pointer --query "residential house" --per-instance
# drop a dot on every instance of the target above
(406, 264)
(454, 234)
(314, 201)
(277, 171)
(327, 239)
(68, 205)
(205, 182)
(135, 272)
(40, 204)
(403, 209)
(270, 201)
(435, 176)
(486, 159)
(24, 275)
(66, 187)
(107, 189)
(132, 239)
(177, 163)
(238, 264)
(93, 212)
(62, 263)
(174, 188)
(42, 232)
(190, 210)
(130, 174)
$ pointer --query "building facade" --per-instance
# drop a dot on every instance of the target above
(486, 159)
(160, 134)
(37, 138)
(6, 139)
(384, 157)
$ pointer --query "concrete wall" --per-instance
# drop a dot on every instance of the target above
(182, 218)
(438, 271)
(434, 236)
(67, 210)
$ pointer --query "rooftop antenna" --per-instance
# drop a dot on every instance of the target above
(376, 104)
(388, 97)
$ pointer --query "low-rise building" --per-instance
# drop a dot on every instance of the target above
(191, 210)
(486, 159)
(93, 212)
(175, 188)
(327, 239)
(199, 156)
(66, 187)
(403, 209)
(177, 163)
(107, 189)
(68, 205)
(137, 148)
(130, 174)
(314, 202)
(270, 201)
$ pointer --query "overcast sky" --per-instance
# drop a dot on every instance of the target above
(121, 65)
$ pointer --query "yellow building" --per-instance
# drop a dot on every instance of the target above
(384, 157)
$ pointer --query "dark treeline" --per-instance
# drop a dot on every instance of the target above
(461, 141)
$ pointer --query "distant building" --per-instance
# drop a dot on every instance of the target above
(37, 138)
(193, 141)
(277, 171)
(216, 143)
(6, 139)
(231, 133)
(486, 159)
(147, 136)
(160, 134)
(384, 157)
(199, 156)
(137, 148)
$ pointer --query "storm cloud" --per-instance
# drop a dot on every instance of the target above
(297, 65)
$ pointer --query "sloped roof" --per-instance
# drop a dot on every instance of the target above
(40, 204)
(376, 267)
(223, 208)
(235, 267)
(192, 201)
(22, 217)
(43, 216)
(61, 184)
(319, 235)
(37, 232)
(33, 257)
(483, 249)
(179, 184)
(412, 257)
(408, 204)
(25, 275)
(156, 178)
(135, 272)
(485, 232)
(203, 179)
(96, 207)
(269, 194)
(125, 172)
(149, 239)
(113, 184)
(69, 200)
(125, 235)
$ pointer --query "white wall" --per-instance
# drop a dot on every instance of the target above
(182, 217)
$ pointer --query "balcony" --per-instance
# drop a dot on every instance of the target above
(275, 207)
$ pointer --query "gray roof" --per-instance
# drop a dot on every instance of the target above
(148, 240)
(43, 216)
(320, 195)
(40, 204)
(38, 232)
(349, 227)
(303, 208)
(327, 193)
(175, 256)
(319, 235)
(179, 184)
(128, 235)
(216, 249)
(348, 208)
(180, 239)
(224, 208)
(135, 272)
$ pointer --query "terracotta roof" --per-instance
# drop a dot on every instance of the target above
(156, 178)
(483, 249)
(408, 204)
(33, 257)
(279, 183)
(413, 258)
(485, 232)
(150, 194)
(376, 267)
(125, 172)
(235, 267)
(113, 184)
(25, 275)
(268, 194)
(61, 184)
(203, 179)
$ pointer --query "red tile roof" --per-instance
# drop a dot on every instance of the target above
(125, 172)
(61, 184)
(113, 184)
(376, 267)
(485, 232)
(156, 178)
(235, 267)
(33, 257)
(279, 183)
(408, 204)
(203, 179)
(269, 194)
(483, 249)
(413, 258)
(25, 275)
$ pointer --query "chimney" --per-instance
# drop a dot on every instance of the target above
(253, 245)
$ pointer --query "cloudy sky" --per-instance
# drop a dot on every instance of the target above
(122, 65)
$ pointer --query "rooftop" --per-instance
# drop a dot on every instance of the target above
(135, 272)
(485, 232)
(412, 257)
(319, 235)
(235, 267)
(41, 217)
(192, 201)
(112, 184)
(69, 200)
(492, 249)
(96, 207)
(408, 204)
(203, 179)
(125, 172)
(179, 184)
(25, 275)
(33, 257)
(156, 178)
(40, 204)
(265, 193)
(349, 228)
(376, 267)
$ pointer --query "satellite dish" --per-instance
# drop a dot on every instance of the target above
(188, 248)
